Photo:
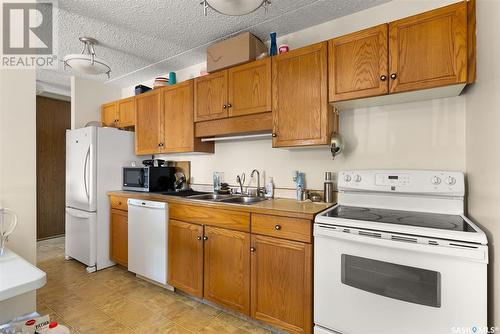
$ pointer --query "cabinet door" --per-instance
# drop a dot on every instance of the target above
(358, 64)
(126, 112)
(148, 123)
(250, 88)
(300, 106)
(185, 257)
(119, 237)
(281, 283)
(429, 50)
(227, 268)
(210, 97)
(109, 114)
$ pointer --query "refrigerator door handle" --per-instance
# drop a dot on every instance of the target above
(87, 156)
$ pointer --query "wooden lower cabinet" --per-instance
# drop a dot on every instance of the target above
(227, 268)
(185, 257)
(119, 237)
(282, 283)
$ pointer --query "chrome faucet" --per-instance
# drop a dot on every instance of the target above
(241, 180)
(261, 191)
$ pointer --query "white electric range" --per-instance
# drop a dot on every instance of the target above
(397, 255)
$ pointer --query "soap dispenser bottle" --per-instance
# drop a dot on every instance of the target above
(269, 188)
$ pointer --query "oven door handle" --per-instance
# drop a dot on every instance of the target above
(477, 253)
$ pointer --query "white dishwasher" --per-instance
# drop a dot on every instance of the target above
(148, 240)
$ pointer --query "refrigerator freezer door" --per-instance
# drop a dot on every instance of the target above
(81, 236)
(81, 168)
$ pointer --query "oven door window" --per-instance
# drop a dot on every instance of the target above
(410, 284)
(133, 177)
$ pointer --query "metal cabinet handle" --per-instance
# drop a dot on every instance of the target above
(394, 76)
(252, 249)
(275, 134)
(205, 238)
(277, 227)
(198, 238)
(229, 105)
(383, 77)
(224, 106)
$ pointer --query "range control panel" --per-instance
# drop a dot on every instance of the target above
(404, 181)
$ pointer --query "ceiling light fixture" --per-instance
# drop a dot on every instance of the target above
(234, 7)
(86, 62)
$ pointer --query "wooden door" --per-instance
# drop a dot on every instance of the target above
(210, 97)
(148, 123)
(53, 118)
(178, 117)
(250, 88)
(109, 114)
(119, 237)
(185, 257)
(282, 283)
(126, 112)
(227, 268)
(429, 50)
(358, 64)
(300, 101)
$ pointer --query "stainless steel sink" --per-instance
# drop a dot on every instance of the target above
(211, 197)
(243, 200)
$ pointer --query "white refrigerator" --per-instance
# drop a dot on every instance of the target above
(94, 160)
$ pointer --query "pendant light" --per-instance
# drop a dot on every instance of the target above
(234, 7)
(86, 62)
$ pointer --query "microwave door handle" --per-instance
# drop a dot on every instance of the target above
(85, 173)
(141, 178)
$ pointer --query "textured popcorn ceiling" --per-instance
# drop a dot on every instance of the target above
(142, 39)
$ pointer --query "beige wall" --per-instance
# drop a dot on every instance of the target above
(87, 96)
(18, 165)
(483, 140)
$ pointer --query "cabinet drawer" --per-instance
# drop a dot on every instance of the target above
(119, 203)
(282, 227)
(234, 220)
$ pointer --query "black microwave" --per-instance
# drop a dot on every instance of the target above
(149, 179)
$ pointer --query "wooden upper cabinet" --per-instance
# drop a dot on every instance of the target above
(148, 120)
(126, 112)
(210, 97)
(178, 122)
(429, 50)
(227, 268)
(119, 237)
(109, 114)
(250, 88)
(301, 115)
(358, 64)
(185, 257)
(282, 283)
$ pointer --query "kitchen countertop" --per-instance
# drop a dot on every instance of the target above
(275, 206)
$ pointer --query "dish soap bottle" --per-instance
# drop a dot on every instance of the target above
(269, 188)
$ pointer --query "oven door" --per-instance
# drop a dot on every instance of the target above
(135, 178)
(364, 283)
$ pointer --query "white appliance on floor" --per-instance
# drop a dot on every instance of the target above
(148, 240)
(94, 161)
(397, 255)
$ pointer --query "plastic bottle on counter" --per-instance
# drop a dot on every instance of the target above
(55, 328)
(269, 188)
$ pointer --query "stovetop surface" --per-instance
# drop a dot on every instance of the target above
(407, 218)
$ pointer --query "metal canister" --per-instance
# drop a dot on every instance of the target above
(328, 187)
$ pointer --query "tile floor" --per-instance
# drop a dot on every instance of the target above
(115, 301)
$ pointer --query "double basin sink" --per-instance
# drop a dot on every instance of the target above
(235, 199)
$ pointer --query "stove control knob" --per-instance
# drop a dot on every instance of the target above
(450, 180)
(436, 180)
(357, 178)
(347, 178)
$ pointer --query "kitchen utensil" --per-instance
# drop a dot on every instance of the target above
(315, 197)
(7, 226)
(336, 144)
